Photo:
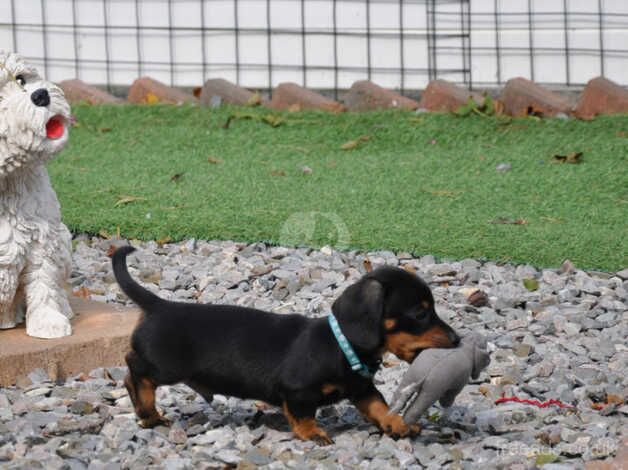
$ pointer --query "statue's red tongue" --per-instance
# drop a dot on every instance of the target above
(55, 128)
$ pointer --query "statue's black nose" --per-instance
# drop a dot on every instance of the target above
(40, 97)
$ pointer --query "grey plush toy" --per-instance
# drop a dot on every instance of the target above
(439, 374)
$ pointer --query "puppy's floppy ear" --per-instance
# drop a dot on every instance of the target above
(359, 311)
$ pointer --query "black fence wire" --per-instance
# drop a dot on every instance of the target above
(475, 43)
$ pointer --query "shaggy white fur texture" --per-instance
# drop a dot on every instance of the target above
(35, 247)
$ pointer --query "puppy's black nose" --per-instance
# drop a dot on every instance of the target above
(40, 97)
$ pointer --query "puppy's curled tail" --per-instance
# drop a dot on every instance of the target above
(135, 292)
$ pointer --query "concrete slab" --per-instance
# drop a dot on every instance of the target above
(100, 338)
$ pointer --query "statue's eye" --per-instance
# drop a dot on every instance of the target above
(20, 80)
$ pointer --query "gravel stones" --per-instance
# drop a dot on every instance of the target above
(564, 340)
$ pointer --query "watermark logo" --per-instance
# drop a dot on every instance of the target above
(315, 228)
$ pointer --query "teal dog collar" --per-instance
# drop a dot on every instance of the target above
(345, 346)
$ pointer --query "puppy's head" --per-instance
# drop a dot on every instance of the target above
(392, 310)
(34, 116)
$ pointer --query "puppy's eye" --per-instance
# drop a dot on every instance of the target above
(20, 80)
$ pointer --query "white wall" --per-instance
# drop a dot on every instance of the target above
(186, 46)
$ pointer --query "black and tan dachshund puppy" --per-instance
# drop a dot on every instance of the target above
(289, 361)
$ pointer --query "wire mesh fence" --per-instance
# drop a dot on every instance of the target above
(322, 44)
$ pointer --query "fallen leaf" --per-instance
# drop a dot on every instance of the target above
(542, 459)
(254, 100)
(122, 200)
(573, 157)
(162, 241)
(368, 266)
(350, 145)
(176, 177)
(273, 120)
(103, 130)
(531, 284)
(151, 98)
(612, 399)
(478, 298)
(214, 160)
(434, 417)
(508, 221)
(104, 234)
(622, 134)
(278, 173)
(82, 292)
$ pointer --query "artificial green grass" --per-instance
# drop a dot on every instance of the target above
(422, 184)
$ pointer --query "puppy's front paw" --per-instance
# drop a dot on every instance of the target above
(153, 421)
(322, 439)
(396, 427)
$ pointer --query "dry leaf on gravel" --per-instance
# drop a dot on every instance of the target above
(531, 284)
(163, 241)
(82, 292)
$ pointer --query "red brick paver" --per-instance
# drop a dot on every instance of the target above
(292, 96)
(146, 90)
(229, 93)
(521, 97)
(364, 95)
(441, 95)
(601, 96)
(77, 91)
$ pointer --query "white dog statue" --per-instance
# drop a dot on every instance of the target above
(35, 246)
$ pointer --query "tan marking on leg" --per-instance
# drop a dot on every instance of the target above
(306, 428)
(145, 406)
(328, 389)
(376, 411)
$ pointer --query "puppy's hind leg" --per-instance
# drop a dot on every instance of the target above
(141, 390)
